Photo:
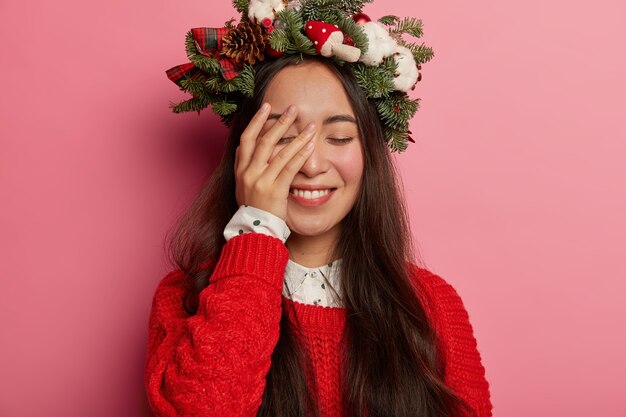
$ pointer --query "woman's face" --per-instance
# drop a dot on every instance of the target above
(326, 187)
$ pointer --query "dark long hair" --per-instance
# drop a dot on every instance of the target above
(393, 365)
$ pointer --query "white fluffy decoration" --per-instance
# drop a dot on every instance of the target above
(264, 9)
(381, 44)
(407, 73)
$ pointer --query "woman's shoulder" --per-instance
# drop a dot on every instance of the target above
(429, 280)
(431, 284)
(440, 299)
(173, 281)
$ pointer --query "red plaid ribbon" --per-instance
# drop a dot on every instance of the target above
(209, 42)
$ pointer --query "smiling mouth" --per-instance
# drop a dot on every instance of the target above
(311, 194)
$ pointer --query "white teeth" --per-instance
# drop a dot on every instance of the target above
(310, 195)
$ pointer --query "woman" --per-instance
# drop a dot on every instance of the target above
(293, 294)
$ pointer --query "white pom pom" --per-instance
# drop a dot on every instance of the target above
(381, 44)
(407, 69)
(264, 9)
(277, 5)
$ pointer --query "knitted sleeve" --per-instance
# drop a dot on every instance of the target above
(464, 372)
(214, 363)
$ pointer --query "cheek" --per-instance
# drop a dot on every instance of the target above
(350, 167)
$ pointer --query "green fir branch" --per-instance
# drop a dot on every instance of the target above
(353, 6)
(333, 15)
(244, 82)
(355, 31)
(279, 40)
(318, 9)
(397, 109)
(296, 41)
(227, 120)
(389, 20)
(195, 86)
(291, 18)
(421, 53)
(375, 81)
(389, 65)
(220, 85)
(408, 25)
(309, 11)
(397, 140)
(241, 5)
(193, 104)
(223, 108)
(302, 44)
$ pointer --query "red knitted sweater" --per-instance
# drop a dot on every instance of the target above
(215, 362)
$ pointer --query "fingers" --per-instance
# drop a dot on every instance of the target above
(265, 144)
(288, 173)
(282, 158)
(248, 139)
(238, 190)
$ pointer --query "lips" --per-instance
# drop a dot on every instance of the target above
(310, 196)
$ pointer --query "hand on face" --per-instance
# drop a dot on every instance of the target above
(264, 183)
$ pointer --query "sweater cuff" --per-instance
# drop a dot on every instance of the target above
(256, 254)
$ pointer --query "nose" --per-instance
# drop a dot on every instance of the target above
(318, 162)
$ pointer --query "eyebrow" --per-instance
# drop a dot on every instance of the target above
(337, 118)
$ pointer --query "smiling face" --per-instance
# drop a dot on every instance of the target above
(326, 187)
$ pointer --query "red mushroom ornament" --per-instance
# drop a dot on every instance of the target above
(328, 41)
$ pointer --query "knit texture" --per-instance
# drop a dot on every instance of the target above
(215, 362)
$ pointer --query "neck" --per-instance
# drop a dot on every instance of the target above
(312, 251)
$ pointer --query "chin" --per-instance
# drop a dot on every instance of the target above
(312, 225)
(311, 229)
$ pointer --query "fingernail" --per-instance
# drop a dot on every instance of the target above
(309, 146)
(265, 107)
(291, 110)
(310, 128)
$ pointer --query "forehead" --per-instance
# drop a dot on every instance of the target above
(312, 87)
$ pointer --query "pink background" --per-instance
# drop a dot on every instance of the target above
(516, 189)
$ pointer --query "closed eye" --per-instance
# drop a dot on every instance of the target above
(341, 141)
(338, 141)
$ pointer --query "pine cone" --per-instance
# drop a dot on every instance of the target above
(244, 43)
